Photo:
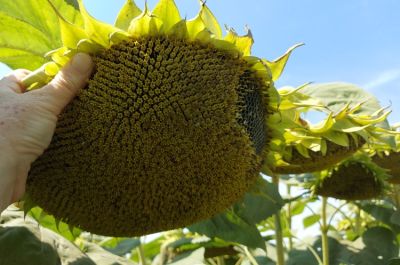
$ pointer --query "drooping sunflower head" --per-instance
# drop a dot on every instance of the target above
(171, 129)
(357, 178)
(352, 117)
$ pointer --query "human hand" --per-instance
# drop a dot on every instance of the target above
(28, 121)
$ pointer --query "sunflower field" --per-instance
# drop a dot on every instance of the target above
(181, 149)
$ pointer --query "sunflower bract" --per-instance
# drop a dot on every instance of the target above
(316, 161)
(169, 131)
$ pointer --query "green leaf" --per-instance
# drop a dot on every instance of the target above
(394, 262)
(151, 249)
(395, 218)
(59, 227)
(101, 257)
(230, 227)
(338, 95)
(298, 208)
(23, 241)
(239, 223)
(376, 247)
(382, 213)
(128, 12)
(310, 220)
(30, 29)
(121, 247)
(193, 257)
(262, 201)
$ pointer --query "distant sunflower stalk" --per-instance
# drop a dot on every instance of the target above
(172, 128)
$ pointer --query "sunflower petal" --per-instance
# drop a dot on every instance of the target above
(324, 126)
(195, 26)
(179, 30)
(210, 21)
(244, 43)
(168, 14)
(145, 24)
(128, 12)
(367, 120)
(96, 30)
(279, 64)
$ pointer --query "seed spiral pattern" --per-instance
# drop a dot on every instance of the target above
(156, 140)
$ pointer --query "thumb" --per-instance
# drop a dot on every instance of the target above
(67, 83)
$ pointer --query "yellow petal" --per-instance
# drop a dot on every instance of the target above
(210, 21)
(343, 112)
(145, 24)
(128, 12)
(195, 26)
(96, 30)
(279, 64)
(323, 126)
(243, 43)
(167, 13)
(367, 120)
(204, 36)
(179, 30)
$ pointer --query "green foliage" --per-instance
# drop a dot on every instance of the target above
(239, 224)
(19, 19)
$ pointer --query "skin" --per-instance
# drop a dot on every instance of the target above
(28, 121)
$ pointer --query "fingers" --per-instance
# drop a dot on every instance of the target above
(64, 87)
(19, 189)
(13, 81)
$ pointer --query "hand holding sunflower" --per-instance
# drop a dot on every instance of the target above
(28, 120)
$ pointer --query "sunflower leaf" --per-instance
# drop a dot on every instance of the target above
(36, 19)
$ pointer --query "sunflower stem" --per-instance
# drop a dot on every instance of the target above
(324, 232)
(142, 257)
(289, 217)
(280, 251)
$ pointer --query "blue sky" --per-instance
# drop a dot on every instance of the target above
(354, 41)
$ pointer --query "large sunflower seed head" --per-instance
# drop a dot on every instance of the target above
(171, 128)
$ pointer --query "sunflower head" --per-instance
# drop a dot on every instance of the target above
(349, 123)
(172, 128)
(357, 178)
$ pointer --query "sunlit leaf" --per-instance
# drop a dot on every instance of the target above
(121, 247)
(36, 19)
(261, 202)
(230, 227)
(194, 257)
(311, 220)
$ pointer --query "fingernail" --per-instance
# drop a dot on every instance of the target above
(82, 62)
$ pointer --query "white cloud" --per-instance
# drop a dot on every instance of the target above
(382, 79)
